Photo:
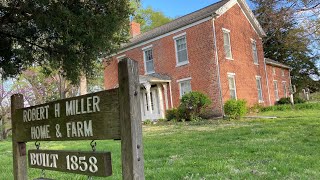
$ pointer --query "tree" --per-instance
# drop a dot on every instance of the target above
(65, 34)
(288, 41)
(150, 19)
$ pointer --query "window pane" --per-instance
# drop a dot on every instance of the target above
(227, 46)
(259, 87)
(255, 53)
(149, 60)
(232, 87)
(182, 50)
(185, 87)
(276, 94)
(182, 56)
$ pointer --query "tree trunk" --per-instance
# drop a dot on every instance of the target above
(83, 85)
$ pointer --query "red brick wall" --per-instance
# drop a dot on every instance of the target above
(241, 33)
(279, 78)
(201, 67)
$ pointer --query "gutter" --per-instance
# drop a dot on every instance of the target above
(217, 61)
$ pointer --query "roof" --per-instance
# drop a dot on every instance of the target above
(209, 11)
(177, 23)
(155, 77)
(276, 63)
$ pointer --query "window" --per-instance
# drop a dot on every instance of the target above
(259, 87)
(232, 85)
(284, 89)
(282, 72)
(185, 86)
(276, 92)
(255, 52)
(148, 60)
(273, 71)
(226, 43)
(181, 50)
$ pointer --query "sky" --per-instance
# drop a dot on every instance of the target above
(175, 8)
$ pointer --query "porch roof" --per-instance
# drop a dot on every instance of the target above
(154, 78)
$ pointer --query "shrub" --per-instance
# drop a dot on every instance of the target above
(297, 100)
(255, 108)
(192, 104)
(172, 114)
(284, 101)
(235, 109)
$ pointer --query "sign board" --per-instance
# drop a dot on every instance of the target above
(111, 114)
(88, 117)
(87, 163)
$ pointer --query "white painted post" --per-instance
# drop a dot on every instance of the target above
(160, 101)
(165, 89)
(148, 87)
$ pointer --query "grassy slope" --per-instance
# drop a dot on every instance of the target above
(283, 148)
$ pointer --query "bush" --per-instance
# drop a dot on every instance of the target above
(297, 100)
(283, 101)
(192, 104)
(235, 109)
(172, 114)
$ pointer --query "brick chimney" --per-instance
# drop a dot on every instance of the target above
(134, 29)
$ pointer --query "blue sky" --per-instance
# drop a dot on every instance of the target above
(175, 8)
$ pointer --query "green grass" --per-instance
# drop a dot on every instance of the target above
(282, 148)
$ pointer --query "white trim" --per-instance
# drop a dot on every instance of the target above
(226, 7)
(119, 58)
(147, 47)
(166, 34)
(184, 79)
(244, 7)
(282, 72)
(231, 74)
(225, 30)
(258, 77)
(179, 35)
(171, 98)
(176, 50)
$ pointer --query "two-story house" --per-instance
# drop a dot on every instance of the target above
(216, 50)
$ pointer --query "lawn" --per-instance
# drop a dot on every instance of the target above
(282, 148)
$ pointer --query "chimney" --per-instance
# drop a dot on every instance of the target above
(134, 29)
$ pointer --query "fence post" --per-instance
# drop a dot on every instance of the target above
(130, 121)
(18, 148)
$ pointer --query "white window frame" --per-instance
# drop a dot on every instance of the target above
(229, 38)
(254, 52)
(119, 58)
(282, 72)
(260, 86)
(181, 81)
(178, 37)
(273, 71)
(147, 48)
(232, 75)
(285, 92)
(276, 90)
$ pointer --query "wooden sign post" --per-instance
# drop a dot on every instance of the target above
(111, 114)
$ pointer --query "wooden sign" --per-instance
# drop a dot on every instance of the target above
(87, 163)
(111, 114)
(92, 116)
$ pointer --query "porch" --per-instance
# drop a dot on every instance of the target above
(154, 99)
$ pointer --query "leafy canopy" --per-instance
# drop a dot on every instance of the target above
(66, 34)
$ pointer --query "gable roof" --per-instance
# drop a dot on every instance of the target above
(212, 10)
(276, 63)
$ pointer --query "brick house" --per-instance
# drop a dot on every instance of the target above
(216, 50)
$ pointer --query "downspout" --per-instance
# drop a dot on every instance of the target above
(265, 70)
(217, 62)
